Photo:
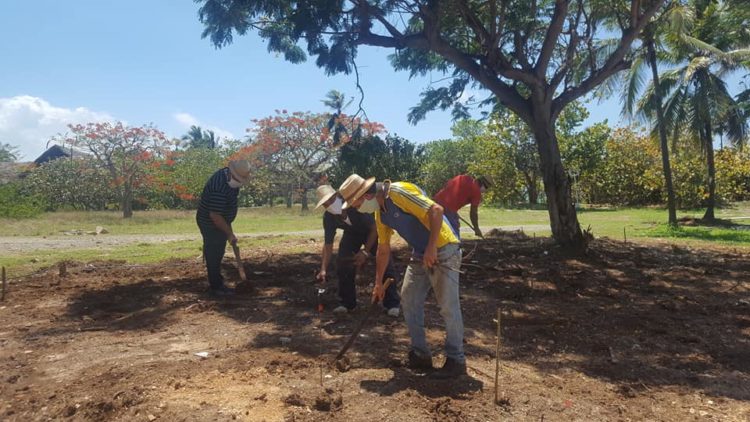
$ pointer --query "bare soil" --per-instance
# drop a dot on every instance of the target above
(626, 332)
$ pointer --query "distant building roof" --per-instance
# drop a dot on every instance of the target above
(53, 153)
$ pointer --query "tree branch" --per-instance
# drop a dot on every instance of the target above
(614, 63)
(550, 39)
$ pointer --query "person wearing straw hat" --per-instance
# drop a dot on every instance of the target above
(217, 210)
(359, 230)
(403, 207)
(460, 191)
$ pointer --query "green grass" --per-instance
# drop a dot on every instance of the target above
(711, 234)
(637, 222)
(249, 220)
(20, 264)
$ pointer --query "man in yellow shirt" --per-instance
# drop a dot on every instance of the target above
(403, 207)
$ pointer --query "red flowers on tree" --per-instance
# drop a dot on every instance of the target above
(295, 148)
(123, 150)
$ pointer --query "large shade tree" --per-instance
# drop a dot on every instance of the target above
(533, 56)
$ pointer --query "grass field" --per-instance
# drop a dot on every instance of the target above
(613, 223)
(249, 220)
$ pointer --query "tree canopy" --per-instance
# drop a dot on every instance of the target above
(534, 57)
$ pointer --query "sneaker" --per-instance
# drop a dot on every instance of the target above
(419, 363)
(393, 312)
(341, 309)
(222, 291)
(451, 369)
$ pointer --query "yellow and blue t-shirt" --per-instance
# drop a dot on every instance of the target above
(407, 212)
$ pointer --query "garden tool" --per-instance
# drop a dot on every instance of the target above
(469, 224)
(341, 362)
(240, 267)
(418, 261)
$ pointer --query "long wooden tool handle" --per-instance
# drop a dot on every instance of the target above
(240, 267)
(469, 224)
(361, 324)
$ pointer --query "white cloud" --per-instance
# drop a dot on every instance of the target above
(29, 122)
(186, 120)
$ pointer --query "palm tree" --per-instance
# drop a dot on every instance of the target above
(653, 52)
(698, 103)
(199, 138)
(336, 101)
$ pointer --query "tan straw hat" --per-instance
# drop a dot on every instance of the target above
(240, 170)
(324, 192)
(354, 187)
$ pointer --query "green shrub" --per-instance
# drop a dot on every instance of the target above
(15, 203)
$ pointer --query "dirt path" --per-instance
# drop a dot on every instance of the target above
(21, 244)
(627, 332)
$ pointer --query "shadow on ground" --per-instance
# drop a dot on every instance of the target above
(633, 315)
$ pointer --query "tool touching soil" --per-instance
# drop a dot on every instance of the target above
(470, 226)
(342, 363)
(240, 267)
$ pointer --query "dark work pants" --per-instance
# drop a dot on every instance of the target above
(350, 244)
(214, 246)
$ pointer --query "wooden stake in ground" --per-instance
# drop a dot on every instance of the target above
(5, 285)
(497, 359)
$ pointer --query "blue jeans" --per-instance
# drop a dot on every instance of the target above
(444, 282)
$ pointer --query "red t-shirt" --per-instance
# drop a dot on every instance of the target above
(458, 192)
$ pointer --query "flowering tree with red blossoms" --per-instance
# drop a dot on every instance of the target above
(294, 149)
(124, 151)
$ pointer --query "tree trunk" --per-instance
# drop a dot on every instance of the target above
(270, 201)
(562, 213)
(531, 189)
(304, 199)
(711, 203)
(127, 200)
(663, 143)
(289, 197)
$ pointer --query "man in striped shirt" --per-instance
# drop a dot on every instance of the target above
(216, 212)
(436, 257)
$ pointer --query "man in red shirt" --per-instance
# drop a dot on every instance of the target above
(460, 191)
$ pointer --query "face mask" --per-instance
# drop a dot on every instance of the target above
(335, 207)
(234, 184)
(369, 206)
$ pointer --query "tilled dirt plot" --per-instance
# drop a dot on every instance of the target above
(627, 332)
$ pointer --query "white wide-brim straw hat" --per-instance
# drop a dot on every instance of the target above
(240, 170)
(324, 192)
(354, 187)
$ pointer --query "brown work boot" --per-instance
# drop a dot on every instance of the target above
(419, 363)
(451, 369)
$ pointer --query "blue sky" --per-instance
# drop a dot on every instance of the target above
(143, 61)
